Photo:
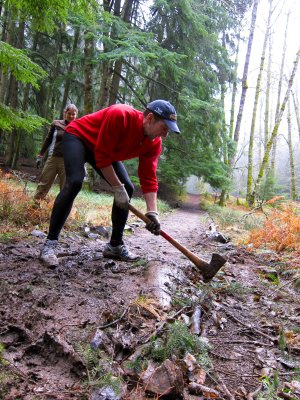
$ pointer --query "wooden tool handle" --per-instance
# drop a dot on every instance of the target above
(138, 213)
(196, 260)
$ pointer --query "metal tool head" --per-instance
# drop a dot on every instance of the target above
(208, 271)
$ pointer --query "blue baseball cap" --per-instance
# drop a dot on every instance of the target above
(166, 111)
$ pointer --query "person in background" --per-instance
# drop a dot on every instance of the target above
(54, 165)
(104, 139)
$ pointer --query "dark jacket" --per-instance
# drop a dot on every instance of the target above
(59, 126)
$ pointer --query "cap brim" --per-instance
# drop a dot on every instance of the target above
(172, 126)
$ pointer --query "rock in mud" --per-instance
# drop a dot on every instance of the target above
(166, 380)
(38, 233)
(105, 393)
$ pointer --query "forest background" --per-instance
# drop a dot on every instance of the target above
(228, 66)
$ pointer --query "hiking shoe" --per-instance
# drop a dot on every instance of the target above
(47, 254)
(119, 253)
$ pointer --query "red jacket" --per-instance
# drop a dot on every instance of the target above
(116, 134)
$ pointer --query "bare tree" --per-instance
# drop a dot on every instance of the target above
(280, 81)
(275, 130)
(296, 108)
(254, 112)
(245, 73)
(291, 153)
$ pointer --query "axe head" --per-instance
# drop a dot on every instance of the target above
(208, 271)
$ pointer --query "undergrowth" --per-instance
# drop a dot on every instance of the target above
(16, 207)
(98, 369)
(7, 377)
(269, 388)
(281, 230)
(19, 213)
(274, 225)
(178, 341)
(228, 216)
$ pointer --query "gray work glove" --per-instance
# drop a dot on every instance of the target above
(121, 196)
(39, 161)
(154, 225)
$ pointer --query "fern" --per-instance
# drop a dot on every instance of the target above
(281, 231)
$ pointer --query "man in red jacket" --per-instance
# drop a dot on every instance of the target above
(104, 139)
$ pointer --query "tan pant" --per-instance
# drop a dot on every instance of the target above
(54, 166)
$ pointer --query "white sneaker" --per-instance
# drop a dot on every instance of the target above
(47, 254)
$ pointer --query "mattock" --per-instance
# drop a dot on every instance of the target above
(207, 270)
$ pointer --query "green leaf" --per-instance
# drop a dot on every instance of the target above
(19, 64)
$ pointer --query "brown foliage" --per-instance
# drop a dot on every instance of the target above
(17, 208)
(19, 211)
(281, 230)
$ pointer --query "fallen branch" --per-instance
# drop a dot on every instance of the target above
(252, 342)
(222, 357)
(236, 374)
(282, 286)
(196, 388)
(226, 391)
(252, 395)
(115, 321)
(287, 396)
(250, 326)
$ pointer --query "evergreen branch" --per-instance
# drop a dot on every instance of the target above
(151, 79)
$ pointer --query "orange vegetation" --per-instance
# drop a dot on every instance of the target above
(281, 230)
(18, 210)
(17, 207)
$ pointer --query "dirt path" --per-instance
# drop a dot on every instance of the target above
(48, 318)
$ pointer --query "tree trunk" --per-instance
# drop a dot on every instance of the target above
(281, 77)
(275, 129)
(69, 73)
(4, 77)
(234, 91)
(291, 153)
(296, 108)
(105, 71)
(260, 134)
(88, 73)
(223, 128)
(256, 98)
(20, 139)
(88, 94)
(268, 91)
(117, 69)
(13, 101)
(245, 73)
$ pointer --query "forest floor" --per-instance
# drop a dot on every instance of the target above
(245, 320)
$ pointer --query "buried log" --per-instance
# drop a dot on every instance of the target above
(207, 270)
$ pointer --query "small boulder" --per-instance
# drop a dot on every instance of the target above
(166, 380)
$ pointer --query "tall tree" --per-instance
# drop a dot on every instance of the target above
(291, 154)
(256, 98)
(275, 130)
(234, 89)
(279, 89)
(88, 72)
(126, 15)
(175, 54)
(69, 75)
(245, 73)
(296, 109)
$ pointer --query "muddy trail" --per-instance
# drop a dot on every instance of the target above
(101, 329)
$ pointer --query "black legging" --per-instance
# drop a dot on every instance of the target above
(76, 155)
